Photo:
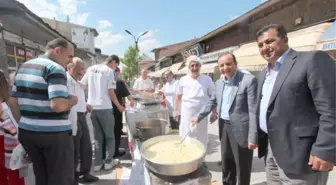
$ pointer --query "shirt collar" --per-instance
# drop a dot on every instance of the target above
(232, 78)
(47, 57)
(70, 77)
(172, 82)
(279, 61)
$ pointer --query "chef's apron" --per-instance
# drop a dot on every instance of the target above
(194, 97)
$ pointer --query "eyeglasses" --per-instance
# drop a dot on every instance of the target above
(194, 65)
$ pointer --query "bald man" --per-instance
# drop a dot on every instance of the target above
(144, 84)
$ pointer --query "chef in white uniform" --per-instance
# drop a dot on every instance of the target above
(193, 91)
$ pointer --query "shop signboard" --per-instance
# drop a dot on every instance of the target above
(327, 45)
(193, 50)
(22, 53)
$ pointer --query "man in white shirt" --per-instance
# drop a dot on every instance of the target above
(82, 142)
(101, 83)
(143, 84)
(169, 90)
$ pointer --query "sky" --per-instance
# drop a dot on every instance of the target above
(167, 21)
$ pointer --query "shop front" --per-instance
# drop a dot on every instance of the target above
(328, 46)
(23, 40)
(306, 39)
(17, 55)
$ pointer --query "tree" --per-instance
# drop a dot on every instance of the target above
(130, 62)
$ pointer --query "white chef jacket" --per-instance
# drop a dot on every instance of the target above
(195, 94)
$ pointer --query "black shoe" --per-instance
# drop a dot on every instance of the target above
(88, 179)
(119, 154)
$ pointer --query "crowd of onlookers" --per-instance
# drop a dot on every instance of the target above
(44, 108)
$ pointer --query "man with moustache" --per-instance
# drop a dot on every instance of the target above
(193, 91)
(235, 100)
(82, 142)
(296, 111)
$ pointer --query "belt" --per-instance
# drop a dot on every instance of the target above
(225, 121)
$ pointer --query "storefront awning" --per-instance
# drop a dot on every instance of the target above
(159, 73)
(301, 40)
(208, 67)
(183, 71)
(175, 67)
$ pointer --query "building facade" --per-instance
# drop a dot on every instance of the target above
(83, 37)
(305, 20)
(24, 40)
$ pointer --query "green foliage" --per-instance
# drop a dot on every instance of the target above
(130, 62)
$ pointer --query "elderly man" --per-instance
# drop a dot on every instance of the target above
(296, 112)
(235, 100)
(169, 90)
(101, 83)
(193, 91)
(82, 142)
(144, 84)
(40, 94)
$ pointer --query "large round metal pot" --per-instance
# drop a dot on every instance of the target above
(176, 169)
(150, 128)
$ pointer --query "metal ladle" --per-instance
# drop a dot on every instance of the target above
(185, 136)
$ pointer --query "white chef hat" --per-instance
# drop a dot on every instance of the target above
(193, 58)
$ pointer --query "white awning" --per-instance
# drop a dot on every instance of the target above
(175, 67)
(213, 56)
(301, 40)
(183, 71)
(208, 67)
(159, 73)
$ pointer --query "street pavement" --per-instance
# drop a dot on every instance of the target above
(212, 159)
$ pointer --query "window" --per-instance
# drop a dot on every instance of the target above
(10, 56)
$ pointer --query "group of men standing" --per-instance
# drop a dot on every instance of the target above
(48, 100)
(287, 112)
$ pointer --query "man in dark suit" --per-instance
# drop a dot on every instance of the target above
(296, 111)
(235, 100)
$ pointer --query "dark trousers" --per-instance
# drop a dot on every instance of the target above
(52, 155)
(83, 146)
(173, 123)
(118, 116)
(236, 160)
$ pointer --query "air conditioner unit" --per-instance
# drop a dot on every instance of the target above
(298, 21)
